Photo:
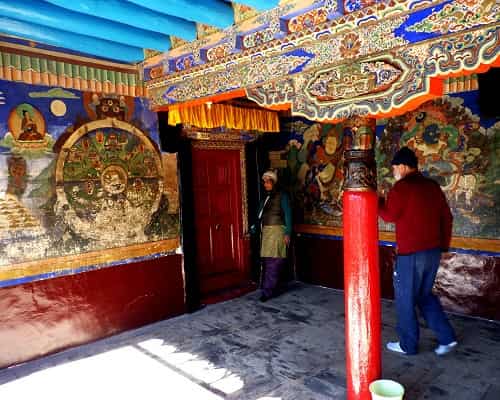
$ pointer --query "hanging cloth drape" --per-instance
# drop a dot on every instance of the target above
(222, 115)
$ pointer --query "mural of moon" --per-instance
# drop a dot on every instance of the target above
(58, 108)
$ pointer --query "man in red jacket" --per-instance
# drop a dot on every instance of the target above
(418, 207)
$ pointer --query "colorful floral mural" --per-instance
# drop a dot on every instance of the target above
(459, 15)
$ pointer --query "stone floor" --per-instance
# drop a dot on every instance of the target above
(291, 347)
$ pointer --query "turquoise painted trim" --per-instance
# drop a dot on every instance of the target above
(39, 12)
(211, 12)
(260, 5)
(132, 15)
(72, 41)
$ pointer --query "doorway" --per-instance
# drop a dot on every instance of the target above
(219, 204)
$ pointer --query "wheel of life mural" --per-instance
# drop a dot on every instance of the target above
(108, 183)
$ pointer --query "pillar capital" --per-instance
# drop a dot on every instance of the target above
(360, 169)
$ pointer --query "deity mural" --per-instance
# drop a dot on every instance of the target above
(17, 169)
(14, 216)
(27, 130)
(100, 106)
(455, 150)
(27, 124)
(453, 146)
(315, 167)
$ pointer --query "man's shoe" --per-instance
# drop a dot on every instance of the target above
(264, 298)
(395, 347)
(443, 349)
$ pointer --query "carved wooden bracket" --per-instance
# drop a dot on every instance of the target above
(360, 168)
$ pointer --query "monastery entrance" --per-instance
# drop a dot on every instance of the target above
(218, 210)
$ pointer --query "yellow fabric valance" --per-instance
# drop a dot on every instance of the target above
(222, 115)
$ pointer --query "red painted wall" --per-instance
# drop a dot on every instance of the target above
(319, 261)
(42, 317)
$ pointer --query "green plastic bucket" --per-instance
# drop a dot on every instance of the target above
(385, 389)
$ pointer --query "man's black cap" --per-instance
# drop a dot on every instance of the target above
(405, 156)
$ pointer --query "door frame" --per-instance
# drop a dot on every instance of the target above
(243, 236)
(231, 145)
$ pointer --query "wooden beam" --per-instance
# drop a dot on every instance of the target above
(217, 13)
(44, 14)
(260, 5)
(72, 41)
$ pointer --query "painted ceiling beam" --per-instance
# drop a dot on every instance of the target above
(45, 14)
(72, 41)
(260, 5)
(217, 13)
(132, 15)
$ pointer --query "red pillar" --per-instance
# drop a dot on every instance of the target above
(361, 267)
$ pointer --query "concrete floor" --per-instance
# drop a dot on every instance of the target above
(291, 347)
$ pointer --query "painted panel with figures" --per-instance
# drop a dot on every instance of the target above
(80, 172)
(455, 146)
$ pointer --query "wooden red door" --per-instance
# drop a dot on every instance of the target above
(218, 220)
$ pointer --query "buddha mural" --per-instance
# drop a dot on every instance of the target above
(29, 130)
(27, 127)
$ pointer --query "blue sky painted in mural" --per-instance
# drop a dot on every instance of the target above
(17, 93)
